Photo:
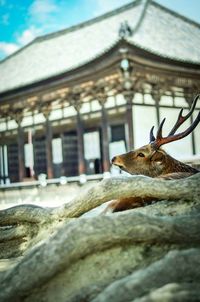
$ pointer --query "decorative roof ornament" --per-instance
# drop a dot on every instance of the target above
(125, 30)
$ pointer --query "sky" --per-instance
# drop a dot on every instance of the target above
(23, 20)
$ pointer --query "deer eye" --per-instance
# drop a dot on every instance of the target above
(141, 154)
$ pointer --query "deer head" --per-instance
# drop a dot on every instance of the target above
(151, 159)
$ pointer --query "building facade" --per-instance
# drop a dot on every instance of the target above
(71, 100)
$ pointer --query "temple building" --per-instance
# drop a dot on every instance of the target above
(72, 99)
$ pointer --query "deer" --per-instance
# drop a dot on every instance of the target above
(151, 160)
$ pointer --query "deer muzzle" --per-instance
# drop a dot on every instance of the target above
(117, 161)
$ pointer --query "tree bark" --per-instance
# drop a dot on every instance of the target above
(176, 265)
(107, 189)
(69, 245)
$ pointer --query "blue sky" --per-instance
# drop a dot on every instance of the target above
(22, 20)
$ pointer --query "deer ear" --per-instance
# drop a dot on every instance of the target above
(157, 157)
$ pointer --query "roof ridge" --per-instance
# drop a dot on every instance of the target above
(103, 16)
(75, 27)
(17, 51)
(142, 15)
(90, 21)
(176, 14)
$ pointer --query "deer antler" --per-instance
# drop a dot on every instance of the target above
(152, 137)
(160, 140)
(181, 119)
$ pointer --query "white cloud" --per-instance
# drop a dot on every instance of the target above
(28, 35)
(8, 48)
(39, 13)
(40, 10)
(46, 15)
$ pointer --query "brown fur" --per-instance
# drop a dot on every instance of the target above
(128, 203)
(156, 164)
(153, 163)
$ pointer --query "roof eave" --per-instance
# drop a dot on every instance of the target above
(87, 69)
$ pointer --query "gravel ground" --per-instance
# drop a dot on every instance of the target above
(49, 196)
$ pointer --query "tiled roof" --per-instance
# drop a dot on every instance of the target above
(169, 35)
(159, 30)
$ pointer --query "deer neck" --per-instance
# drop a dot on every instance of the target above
(173, 165)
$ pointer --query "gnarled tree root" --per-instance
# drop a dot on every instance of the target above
(38, 223)
(79, 239)
(175, 267)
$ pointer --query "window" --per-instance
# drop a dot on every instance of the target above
(92, 145)
(57, 150)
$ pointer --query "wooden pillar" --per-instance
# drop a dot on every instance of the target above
(2, 164)
(20, 141)
(189, 97)
(49, 157)
(157, 98)
(105, 137)
(128, 95)
(80, 130)
(193, 138)
(157, 113)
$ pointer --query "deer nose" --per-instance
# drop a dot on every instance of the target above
(113, 160)
(117, 161)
